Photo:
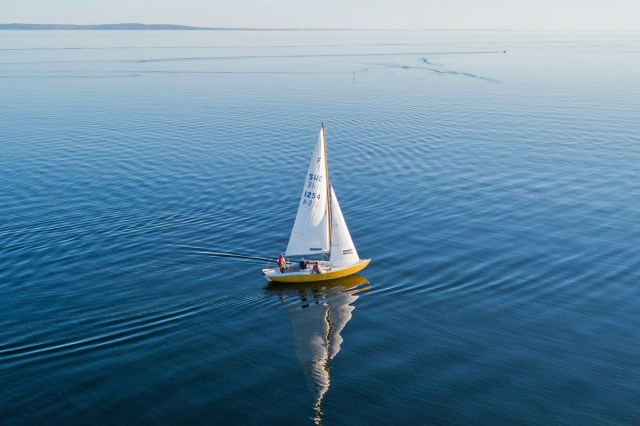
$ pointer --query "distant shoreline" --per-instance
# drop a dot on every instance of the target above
(163, 27)
(171, 27)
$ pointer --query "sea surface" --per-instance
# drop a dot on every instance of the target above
(493, 177)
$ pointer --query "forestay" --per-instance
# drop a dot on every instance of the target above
(310, 233)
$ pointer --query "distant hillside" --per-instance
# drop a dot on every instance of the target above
(134, 26)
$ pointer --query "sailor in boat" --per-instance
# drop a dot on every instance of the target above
(282, 263)
(316, 269)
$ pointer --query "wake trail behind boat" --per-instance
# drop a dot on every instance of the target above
(200, 250)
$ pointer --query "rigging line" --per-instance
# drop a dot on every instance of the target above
(222, 254)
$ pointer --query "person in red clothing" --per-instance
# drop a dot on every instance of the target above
(282, 263)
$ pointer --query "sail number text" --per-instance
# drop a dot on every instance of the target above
(314, 180)
(312, 183)
(312, 195)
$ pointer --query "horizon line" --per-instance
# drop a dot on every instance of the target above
(133, 26)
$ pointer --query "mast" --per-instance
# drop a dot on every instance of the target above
(326, 164)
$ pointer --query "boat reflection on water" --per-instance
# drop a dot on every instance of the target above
(319, 312)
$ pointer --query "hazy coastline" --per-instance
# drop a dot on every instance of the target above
(163, 27)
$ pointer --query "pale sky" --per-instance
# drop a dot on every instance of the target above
(373, 14)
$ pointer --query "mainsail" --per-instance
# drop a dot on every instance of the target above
(310, 233)
(343, 252)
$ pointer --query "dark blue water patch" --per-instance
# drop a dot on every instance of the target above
(136, 215)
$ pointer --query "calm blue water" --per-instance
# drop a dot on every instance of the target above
(498, 195)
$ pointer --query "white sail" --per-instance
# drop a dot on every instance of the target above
(310, 233)
(343, 252)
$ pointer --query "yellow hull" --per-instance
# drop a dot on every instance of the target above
(284, 278)
(344, 283)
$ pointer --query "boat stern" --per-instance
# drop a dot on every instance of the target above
(268, 272)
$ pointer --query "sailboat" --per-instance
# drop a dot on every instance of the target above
(319, 229)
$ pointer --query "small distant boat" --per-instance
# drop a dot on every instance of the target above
(319, 229)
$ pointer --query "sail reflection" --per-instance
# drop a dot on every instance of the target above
(318, 313)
